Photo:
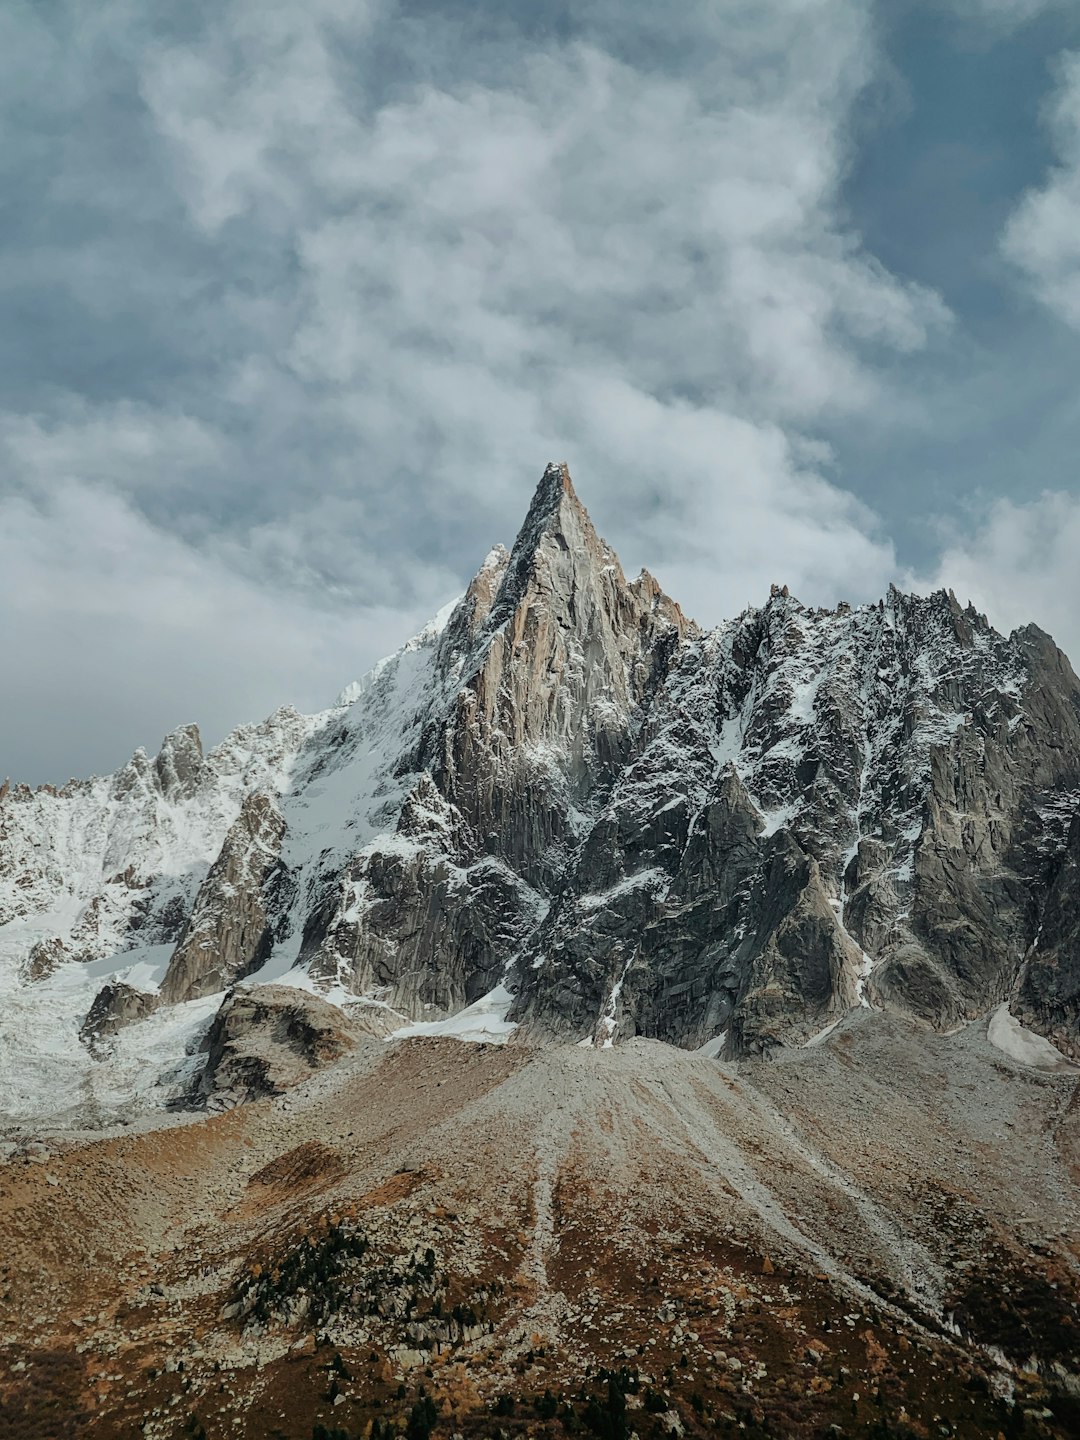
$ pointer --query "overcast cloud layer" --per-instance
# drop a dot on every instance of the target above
(300, 299)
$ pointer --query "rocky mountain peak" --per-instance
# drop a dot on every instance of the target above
(564, 791)
(554, 490)
(839, 846)
(180, 763)
(555, 506)
(566, 660)
(557, 549)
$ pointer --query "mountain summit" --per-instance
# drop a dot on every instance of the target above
(565, 794)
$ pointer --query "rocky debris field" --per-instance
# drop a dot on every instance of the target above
(876, 1235)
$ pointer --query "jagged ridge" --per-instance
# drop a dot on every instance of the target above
(725, 838)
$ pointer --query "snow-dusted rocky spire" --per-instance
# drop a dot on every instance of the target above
(553, 690)
(556, 517)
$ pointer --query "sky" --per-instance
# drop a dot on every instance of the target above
(297, 301)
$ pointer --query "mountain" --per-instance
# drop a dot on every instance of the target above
(767, 940)
(565, 787)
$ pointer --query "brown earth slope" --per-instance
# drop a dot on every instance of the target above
(873, 1236)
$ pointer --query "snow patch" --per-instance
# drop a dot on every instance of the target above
(482, 1022)
(714, 1048)
(823, 1034)
(653, 879)
(1021, 1044)
(605, 1030)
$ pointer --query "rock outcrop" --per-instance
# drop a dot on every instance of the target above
(1048, 998)
(180, 765)
(115, 1006)
(229, 933)
(266, 1039)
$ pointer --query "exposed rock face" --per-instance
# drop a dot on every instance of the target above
(564, 786)
(432, 919)
(44, 959)
(180, 765)
(269, 1038)
(825, 808)
(1049, 988)
(561, 667)
(543, 675)
(229, 933)
(116, 1005)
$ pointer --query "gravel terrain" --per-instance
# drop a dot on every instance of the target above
(889, 1214)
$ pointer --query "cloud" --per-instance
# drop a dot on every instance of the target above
(478, 248)
(127, 446)
(334, 282)
(121, 631)
(684, 227)
(1018, 565)
(1042, 236)
(761, 510)
(1007, 14)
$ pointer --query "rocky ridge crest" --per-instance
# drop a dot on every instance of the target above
(723, 839)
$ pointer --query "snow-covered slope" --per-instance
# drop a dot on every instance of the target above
(96, 882)
(563, 787)
(113, 882)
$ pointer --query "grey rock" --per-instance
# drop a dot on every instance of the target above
(1048, 998)
(265, 1039)
(44, 959)
(821, 809)
(229, 933)
(115, 1006)
(437, 917)
(180, 766)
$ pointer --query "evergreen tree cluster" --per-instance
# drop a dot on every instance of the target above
(316, 1267)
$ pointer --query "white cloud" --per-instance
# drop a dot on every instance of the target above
(1018, 565)
(1042, 236)
(129, 446)
(760, 511)
(254, 112)
(417, 261)
(686, 227)
(491, 256)
(122, 631)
